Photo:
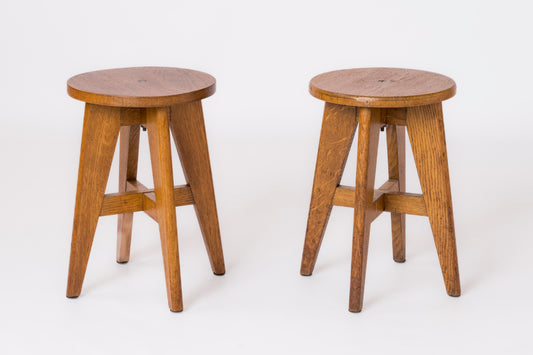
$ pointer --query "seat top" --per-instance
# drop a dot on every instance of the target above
(141, 87)
(382, 87)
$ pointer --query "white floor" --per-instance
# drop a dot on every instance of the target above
(262, 305)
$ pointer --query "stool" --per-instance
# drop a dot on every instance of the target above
(376, 98)
(159, 100)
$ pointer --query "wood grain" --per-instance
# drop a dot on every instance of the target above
(150, 207)
(405, 203)
(148, 202)
(369, 128)
(188, 129)
(394, 202)
(395, 98)
(132, 116)
(100, 133)
(382, 87)
(135, 185)
(141, 86)
(131, 97)
(395, 116)
(157, 124)
(133, 201)
(396, 162)
(338, 130)
(122, 203)
(426, 132)
(128, 157)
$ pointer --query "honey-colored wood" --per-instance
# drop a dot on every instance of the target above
(367, 152)
(141, 87)
(134, 201)
(126, 99)
(425, 127)
(388, 186)
(394, 98)
(100, 132)
(134, 185)
(188, 129)
(129, 152)
(378, 201)
(148, 198)
(382, 87)
(338, 129)
(386, 200)
(396, 159)
(157, 124)
(345, 195)
(395, 116)
(122, 203)
(131, 116)
(183, 196)
(150, 206)
(405, 203)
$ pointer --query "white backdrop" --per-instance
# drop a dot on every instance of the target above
(263, 129)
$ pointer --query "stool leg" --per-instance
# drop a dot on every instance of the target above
(367, 150)
(188, 130)
(100, 132)
(129, 153)
(426, 132)
(338, 129)
(159, 140)
(396, 157)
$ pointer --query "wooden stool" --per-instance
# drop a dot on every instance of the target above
(375, 98)
(159, 99)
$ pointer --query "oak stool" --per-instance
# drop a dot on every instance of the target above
(374, 99)
(160, 100)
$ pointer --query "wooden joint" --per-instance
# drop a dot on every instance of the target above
(139, 198)
(395, 116)
(131, 116)
(386, 199)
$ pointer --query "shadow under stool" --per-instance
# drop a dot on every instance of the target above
(374, 99)
(161, 100)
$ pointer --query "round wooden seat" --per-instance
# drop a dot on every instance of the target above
(141, 87)
(382, 87)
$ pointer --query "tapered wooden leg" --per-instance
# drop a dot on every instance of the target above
(396, 157)
(157, 123)
(338, 129)
(100, 132)
(129, 152)
(369, 127)
(426, 133)
(188, 130)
